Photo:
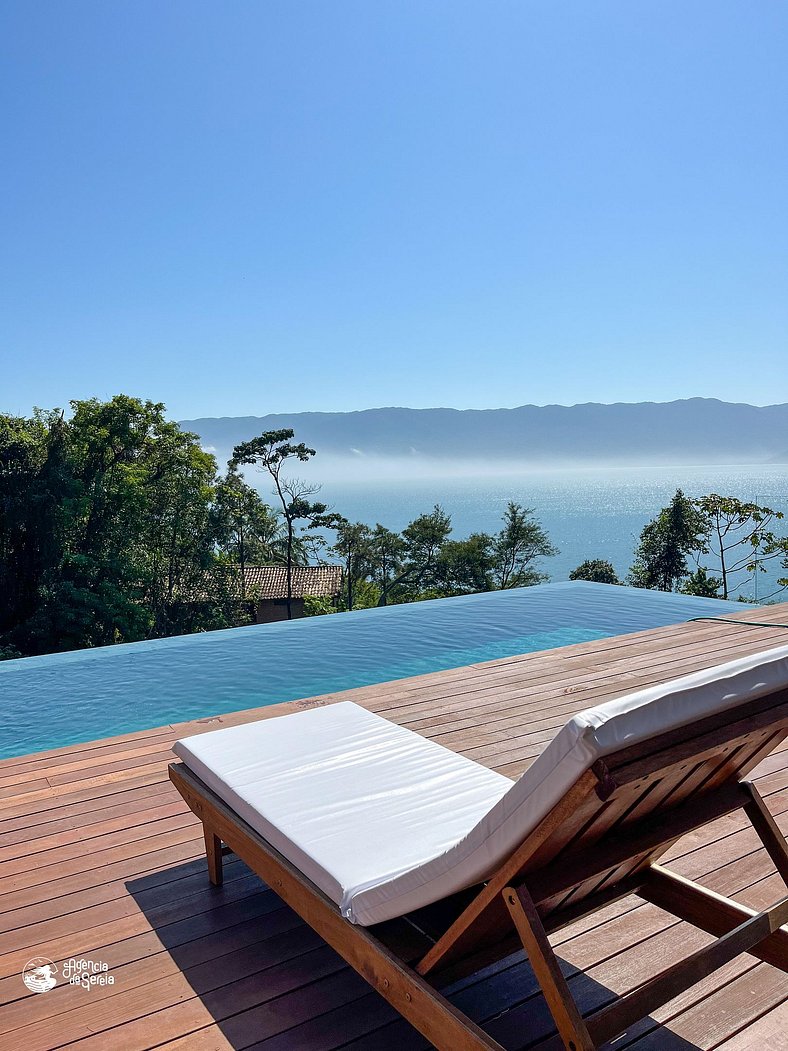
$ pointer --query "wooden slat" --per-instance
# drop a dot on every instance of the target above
(754, 929)
(712, 912)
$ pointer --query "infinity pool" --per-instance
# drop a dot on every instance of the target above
(63, 698)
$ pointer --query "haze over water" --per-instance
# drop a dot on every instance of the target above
(588, 513)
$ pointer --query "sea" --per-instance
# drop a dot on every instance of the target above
(588, 513)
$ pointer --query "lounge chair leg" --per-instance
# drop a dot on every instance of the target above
(767, 828)
(213, 852)
(568, 1020)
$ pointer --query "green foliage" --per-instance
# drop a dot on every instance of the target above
(386, 559)
(30, 517)
(353, 547)
(780, 548)
(318, 605)
(720, 535)
(366, 595)
(666, 543)
(115, 527)
(702, 584)
(598, 570)
(515, 549)
(425, 563)
(246, 529)
(417, 557)
(105, 526)
(466, 566)
(739, 536)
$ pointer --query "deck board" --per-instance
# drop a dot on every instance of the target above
(99, 857)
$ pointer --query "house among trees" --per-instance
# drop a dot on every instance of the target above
(266, 587)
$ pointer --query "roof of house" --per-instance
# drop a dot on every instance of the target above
(264, 582)
(269, 582)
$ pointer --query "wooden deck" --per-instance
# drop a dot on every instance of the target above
(100, 859)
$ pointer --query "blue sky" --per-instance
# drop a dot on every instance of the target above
(274, 206)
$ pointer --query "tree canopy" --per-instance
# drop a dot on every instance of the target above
(707, 546)
(105, 520)
(116, 526)
(598, 570)
(666, 544)
(425, 561)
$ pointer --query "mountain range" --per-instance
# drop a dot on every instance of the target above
(691, 431)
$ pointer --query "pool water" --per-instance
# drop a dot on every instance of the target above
(64, 698)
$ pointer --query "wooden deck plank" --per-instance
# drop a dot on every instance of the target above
(99, 857)
(766, 1033)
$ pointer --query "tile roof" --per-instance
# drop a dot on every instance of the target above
(264, 582)
(268, 582)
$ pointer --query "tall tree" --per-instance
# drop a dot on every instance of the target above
(353, 546)
(465, 567)
(422, 541)
(33, 485)
(247, 530)
(518, 545)
(386, 555)
(705, 546)
(103, 522)
(739, 538)
(272, 451)
(666, 543)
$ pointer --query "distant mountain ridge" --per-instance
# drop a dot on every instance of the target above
(691, 431)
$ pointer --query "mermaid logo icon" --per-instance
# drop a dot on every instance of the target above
(39, 975)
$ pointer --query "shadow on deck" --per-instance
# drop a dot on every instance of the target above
(265, 980)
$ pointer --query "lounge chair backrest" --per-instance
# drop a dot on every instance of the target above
(609, 791)
(671, 718)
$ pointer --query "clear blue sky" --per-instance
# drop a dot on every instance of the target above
(250, 207)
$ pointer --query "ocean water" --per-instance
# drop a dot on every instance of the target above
(594, 513)
(64, 698)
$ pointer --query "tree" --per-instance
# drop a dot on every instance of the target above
(422, 541)
(103, 523)
(722, 535)
(353, 545)
(738, 537)
(465, 566)
(702, 584)
(272, 451)
(386, 554)
(598, 570)
(176, 538)
(32, 488)
(517, 546)
(666, 543)
(247, 530)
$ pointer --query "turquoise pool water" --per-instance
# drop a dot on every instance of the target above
(63, 698)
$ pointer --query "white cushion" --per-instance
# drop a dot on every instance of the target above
(351, 799)
(385, 821)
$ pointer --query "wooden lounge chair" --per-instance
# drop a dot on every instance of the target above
(595, 812)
